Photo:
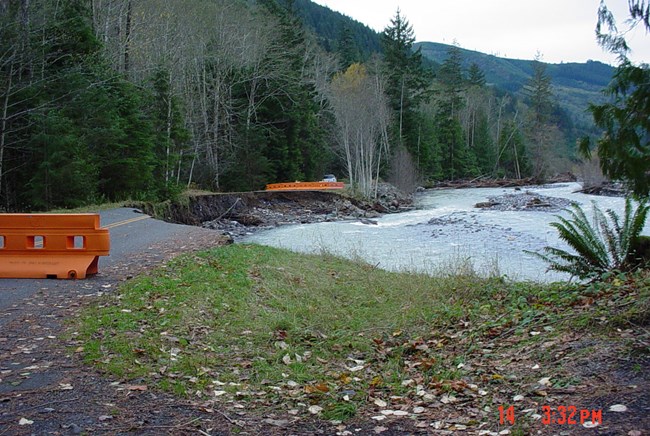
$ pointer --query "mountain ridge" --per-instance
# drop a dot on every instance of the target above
(575, 84)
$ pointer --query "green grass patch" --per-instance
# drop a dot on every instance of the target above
(282, 330)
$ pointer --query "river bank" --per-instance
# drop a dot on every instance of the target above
(240, 214)
(285, 343)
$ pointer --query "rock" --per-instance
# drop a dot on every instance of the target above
(368, 222)
(486, 204)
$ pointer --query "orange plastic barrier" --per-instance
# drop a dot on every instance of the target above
(51, 245)
(304, 186)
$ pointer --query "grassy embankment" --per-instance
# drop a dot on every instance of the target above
(285, 334)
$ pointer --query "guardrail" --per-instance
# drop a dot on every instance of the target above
(51, 245)
(304, 186)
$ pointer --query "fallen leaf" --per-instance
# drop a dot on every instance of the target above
(518, 398)
(318, 387)
(378, 417)
(345, 379)
(618, 408)
(545, 381)
(380, 429)
(277, 422)
(447, 399)
(138, 388)
(315, 410)
(25, 421)
(105, 417)
(380, 403)
(286, 359)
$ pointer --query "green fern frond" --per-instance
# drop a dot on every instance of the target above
(604, 245)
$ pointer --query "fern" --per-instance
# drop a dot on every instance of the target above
(605, 243)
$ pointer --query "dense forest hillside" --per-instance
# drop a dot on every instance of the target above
(115, 99)
(334, 30)
(512, 74)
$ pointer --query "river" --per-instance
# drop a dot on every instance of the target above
(490, 242)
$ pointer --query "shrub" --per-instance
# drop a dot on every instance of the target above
(606, 243)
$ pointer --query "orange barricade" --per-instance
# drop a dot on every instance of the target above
(304, 186)
(51, 245)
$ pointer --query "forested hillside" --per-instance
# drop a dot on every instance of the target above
(575, 85)
(115, 99)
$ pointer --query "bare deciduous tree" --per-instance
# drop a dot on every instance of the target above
(361, 110)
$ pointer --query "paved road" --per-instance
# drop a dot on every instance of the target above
(132, 234)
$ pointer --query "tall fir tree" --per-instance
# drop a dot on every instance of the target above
(540, 131)
(408, 85)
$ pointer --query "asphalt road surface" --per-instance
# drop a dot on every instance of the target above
(133, 235)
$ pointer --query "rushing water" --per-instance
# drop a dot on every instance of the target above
(490, 241)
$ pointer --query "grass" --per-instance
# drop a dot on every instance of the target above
(93, 208)
(283, 331)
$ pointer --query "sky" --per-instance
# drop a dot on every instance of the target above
(559, 30)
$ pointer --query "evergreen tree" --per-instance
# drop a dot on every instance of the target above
(347, 48)
(83, 129)
(171, 134)
(458, 158)
(407, 87)
(513, 160)
(292, 136)
(476, 76)
(624, 147)
(540, 130)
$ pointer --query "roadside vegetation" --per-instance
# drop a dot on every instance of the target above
(289, 337)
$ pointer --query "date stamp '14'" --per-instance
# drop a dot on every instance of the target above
(558, 415)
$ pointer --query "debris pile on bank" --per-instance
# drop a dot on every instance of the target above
(527, 201)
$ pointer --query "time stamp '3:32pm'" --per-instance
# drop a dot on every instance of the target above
(558, 415)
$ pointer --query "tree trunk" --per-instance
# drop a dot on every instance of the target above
(127, 40)
(3, 123)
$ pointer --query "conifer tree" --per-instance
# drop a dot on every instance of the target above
(624, 148)
(408, 84)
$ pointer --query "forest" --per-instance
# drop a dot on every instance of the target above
(105, 100)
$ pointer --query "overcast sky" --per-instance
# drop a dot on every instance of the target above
(560, 30)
